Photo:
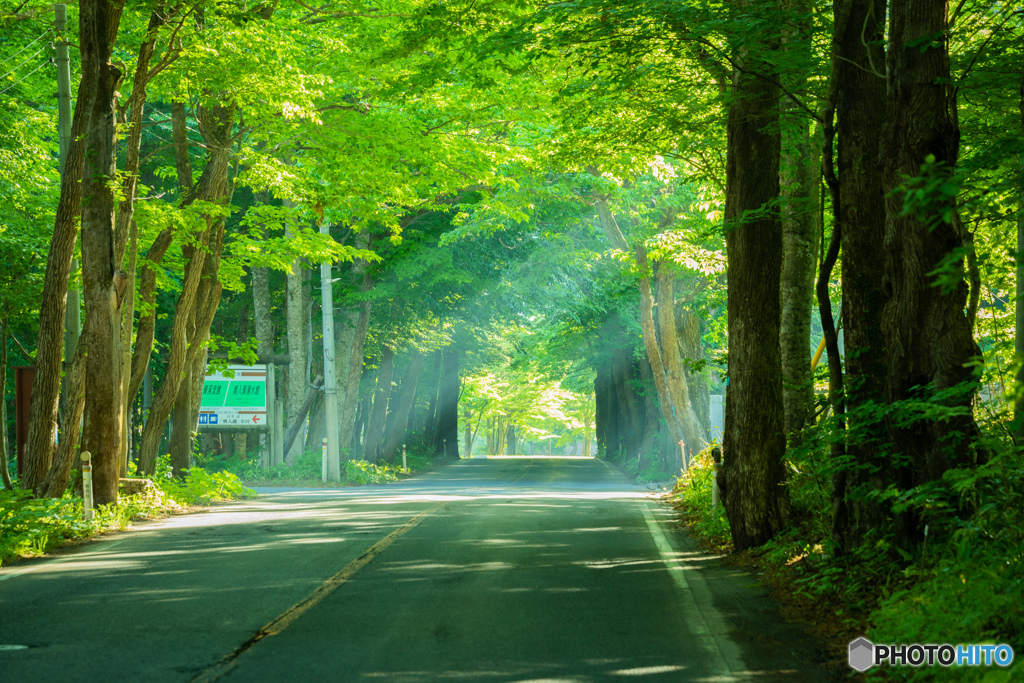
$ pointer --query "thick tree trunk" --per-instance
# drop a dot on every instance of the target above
(381, 396)
(650, 338)
(692, 349)
(42, 427)
(601, 385)
(5, 473)
(928, 336)
(1018, 404)
(103, 414)
(798, 180)
(631, 428)
(675, 373)
(39, 447)
(355, 325)
(754, 441)
(56, 481)
(649, 443)
(860, 216)
(264, 332)
(399, 423)
(447, 432)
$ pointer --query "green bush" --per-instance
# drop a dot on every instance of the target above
(692, 491)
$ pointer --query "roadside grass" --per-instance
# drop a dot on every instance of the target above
(307, 471)
(30, 527)
(965, 585)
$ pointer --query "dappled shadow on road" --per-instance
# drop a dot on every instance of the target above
(518, 573)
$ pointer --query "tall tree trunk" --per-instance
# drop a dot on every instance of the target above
(42, 426)
(1018, 405)
(56, 481)
(649, 443)
(754, 440)
(355, 325)
(691, 349)
(675, 373)
(928, 336)
(298, 331)
(264, 332)
(860, 218)
(5, 473)
(400, 422)
(381, 395)
(658, 368)
(102, 432)
(601, 383)
(798, 181)
(447, 433)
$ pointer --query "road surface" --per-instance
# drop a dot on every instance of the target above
(504, 569)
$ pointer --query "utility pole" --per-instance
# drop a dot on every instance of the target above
(73, 314)
(333, 470)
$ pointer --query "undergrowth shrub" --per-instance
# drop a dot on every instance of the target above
(692, 491)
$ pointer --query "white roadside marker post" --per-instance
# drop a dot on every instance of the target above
(405, 467)
(323, 461)
(87, 486)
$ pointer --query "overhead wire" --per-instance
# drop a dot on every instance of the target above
(12, 56)
(26, 61)
(41, 65)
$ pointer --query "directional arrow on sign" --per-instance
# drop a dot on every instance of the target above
(255, 419)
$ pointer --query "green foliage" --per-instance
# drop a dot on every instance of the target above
(692, 492)
(966, 588)
(200, 488)
(30, 526)
(307, 470)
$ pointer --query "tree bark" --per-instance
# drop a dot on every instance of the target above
(798, 181)
(355, 326)
(754, 441)
(447, 432)
(42, 427)
(692, 349)
(1018, 404)
(5, 473)
(650, 338)
(601, 381)
(860, 217)
(103, 414)
(928, 336)
(381, 395)
(400, 422)
(675, 373)
(56, 481)
(298, 332)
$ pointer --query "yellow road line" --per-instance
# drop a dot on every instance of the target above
(283, 621)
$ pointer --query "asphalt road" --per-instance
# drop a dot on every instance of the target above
(517, 569)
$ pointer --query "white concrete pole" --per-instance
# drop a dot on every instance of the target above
(333, 471)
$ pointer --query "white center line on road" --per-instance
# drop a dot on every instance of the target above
(284, 620)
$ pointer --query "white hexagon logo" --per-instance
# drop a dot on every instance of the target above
(862, 654)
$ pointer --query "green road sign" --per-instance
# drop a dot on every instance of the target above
(235, 397)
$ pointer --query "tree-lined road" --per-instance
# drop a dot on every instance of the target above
(510, 569)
